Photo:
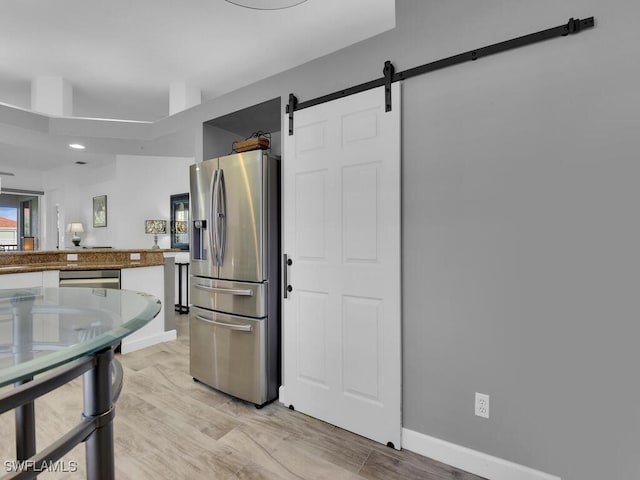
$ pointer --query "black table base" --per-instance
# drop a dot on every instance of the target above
(95, 429)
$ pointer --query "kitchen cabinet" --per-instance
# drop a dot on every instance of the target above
(147, 279)
(48, 278)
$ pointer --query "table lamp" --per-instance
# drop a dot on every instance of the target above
(155, 228)
(75, 228)
(28, 243)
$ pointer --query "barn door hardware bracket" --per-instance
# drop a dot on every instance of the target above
(574, 25)
(388, 71)
(291, 106)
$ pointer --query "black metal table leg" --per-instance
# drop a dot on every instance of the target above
(98, 404)
(25, 430)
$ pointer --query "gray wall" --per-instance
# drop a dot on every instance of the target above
(217, 142)
(520, 231)
(520, 235)
(520, 263)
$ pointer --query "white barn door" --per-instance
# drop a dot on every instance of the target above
(341, 321)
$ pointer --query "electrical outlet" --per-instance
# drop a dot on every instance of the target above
(482, 405)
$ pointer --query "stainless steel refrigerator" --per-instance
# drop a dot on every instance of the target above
(234, 320)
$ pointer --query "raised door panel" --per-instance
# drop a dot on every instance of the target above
(361, 346)
(312, 338)
(310, 217)
(360, 212)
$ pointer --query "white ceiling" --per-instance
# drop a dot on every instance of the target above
(121, 56)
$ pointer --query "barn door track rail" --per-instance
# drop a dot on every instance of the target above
(574, 25)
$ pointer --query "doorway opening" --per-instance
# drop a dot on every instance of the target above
(19, 222)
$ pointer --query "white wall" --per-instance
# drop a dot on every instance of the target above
(137, 188)
(144, 187)
(23, 179)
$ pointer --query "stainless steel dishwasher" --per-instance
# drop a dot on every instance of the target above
(90, 278)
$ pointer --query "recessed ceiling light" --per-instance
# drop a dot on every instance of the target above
(76, 146)
(266, 4)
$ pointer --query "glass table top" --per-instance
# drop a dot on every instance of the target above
(43, 328)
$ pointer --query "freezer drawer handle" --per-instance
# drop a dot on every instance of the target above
(230, 326)
(230, 291)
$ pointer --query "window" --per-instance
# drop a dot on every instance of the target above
(8, 228)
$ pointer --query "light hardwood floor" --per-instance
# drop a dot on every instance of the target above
(169, 427)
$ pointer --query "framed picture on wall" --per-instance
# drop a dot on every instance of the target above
(100, 211)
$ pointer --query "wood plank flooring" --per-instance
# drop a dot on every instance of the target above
(169, 427)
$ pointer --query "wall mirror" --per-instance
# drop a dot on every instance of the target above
(180, 221)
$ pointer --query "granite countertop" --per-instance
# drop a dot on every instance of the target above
(98, 259)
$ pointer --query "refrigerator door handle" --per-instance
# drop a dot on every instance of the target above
(230, 326)
(230, 291)
(216, 216)
(213, 229)
(222, 216)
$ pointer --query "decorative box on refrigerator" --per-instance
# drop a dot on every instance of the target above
(234, 321)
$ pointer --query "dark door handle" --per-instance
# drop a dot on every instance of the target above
(285, 271)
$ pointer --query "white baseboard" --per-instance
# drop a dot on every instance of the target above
(478, 463)
(167, 336)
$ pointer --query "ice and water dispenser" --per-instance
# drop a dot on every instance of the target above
(199, 240)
